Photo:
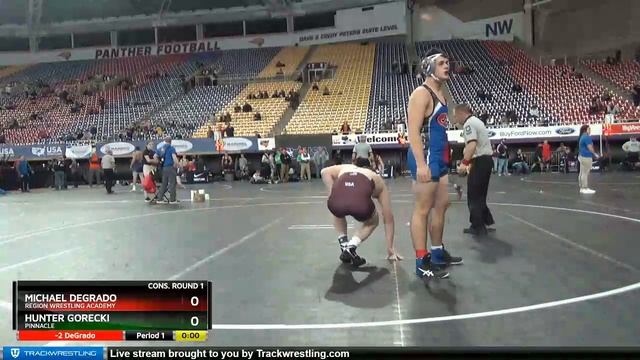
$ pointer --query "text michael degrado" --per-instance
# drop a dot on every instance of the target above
(194, 354)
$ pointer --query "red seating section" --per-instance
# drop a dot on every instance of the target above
(625, 75)
(565, 97)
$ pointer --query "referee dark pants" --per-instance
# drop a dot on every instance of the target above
(477, 188)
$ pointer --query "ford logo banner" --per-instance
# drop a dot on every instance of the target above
(565, 131)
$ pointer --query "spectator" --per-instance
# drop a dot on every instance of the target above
(520, 164)
(108, 166)
(229, 131)
(503, 158)
(257, 116)
(547, 154)
(265, 166)
(150, 160)
(534, 113)
(286, 164)
(362, 150)
(632, 159)
(345, 129)
(326, 91)
(227, 163)
(586, 153)
(305, 168)
(102, 102)
(537, 158)
(94, 168)
(209, 132)
(238, 109)
(243, 167)
(320, 158)
(169, 173)
(24, 172)
(137, 168)
(217, 134)
(315, 87)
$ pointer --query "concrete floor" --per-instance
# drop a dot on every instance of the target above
(561, 270)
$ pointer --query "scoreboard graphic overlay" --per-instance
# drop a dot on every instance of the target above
(112, 310)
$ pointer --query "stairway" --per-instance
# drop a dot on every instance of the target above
(288, 115)
(305, 59)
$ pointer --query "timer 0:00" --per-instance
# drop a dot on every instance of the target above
(190, 335)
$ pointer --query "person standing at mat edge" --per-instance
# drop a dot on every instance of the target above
(108, 166)
(351, 190)
(477, 162)
(586, 154)
(169, 172)
(428, 115)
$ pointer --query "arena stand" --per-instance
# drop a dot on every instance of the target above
(567, 98)
(10, 70)
(625, 74)
(392, 87)
(349, 91)
(363, 77)
(193, 109)
(124, 102)
(488, 75)
(289, 57)
(270, 109)
(243, 63)
(155, 81)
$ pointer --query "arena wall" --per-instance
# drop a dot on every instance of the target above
(579, 27)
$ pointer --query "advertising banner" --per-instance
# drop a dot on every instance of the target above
(32, 152)
(78, 151)
(200, 146)
(524, 134)
(266, 144)
(623, 129)
(381, 140)
(294, 141)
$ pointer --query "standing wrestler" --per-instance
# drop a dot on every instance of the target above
(428, 116)
(352, 189)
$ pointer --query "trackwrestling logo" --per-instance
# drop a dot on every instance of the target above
(41, 352)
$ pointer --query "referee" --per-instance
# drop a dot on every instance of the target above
(476, 162)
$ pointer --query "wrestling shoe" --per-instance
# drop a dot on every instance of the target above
(427, 270)
(449, 259)
(342, 241)
(349, 255)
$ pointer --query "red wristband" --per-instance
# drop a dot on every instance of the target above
(466, 162)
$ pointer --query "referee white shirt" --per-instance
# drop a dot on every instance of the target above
(474, 129)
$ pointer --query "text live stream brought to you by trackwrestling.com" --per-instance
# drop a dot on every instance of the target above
(254, 353)
(196, 353)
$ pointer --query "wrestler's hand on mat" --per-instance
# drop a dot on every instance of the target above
(423, 174)
(393, 255)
